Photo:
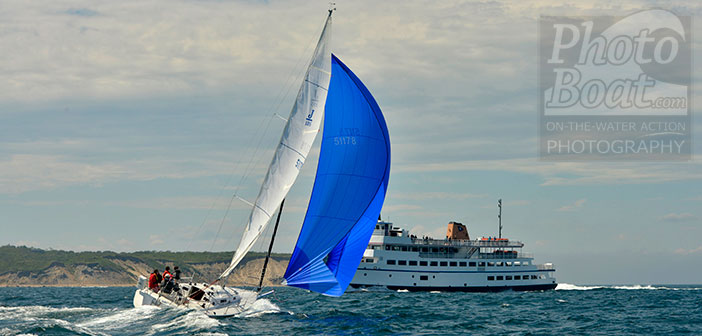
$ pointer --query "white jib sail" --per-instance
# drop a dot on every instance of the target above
(295, 143)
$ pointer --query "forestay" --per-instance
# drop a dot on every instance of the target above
(349, 188)
(299, 134)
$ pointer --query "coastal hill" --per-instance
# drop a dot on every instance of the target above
(26, 266)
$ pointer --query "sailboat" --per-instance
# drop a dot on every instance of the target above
(347, 196)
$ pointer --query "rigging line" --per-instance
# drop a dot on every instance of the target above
(286, 88)
(222, 223)
(273, 107)
(231, 176)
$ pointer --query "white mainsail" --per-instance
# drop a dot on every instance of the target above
(295, 143)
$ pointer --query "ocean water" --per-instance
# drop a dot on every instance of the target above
(568, 310)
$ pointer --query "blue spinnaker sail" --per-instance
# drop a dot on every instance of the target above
(349, 189)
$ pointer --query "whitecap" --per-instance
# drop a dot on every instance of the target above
(403, 291)
(193, 320)
(566, 286)
(34, 311)
(121, 318)
(634, 287)
(260, 307)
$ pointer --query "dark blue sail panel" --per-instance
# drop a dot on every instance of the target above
(349, 189)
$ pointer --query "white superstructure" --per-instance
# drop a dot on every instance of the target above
(397, 260)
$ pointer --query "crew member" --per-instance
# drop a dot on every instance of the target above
(177, 273)
(153, 280)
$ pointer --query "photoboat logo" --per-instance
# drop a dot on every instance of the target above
(615, 88)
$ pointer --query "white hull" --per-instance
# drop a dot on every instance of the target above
(466, 280)
(214, 301)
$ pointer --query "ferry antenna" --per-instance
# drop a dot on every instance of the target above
(499, 217)
(332, 7)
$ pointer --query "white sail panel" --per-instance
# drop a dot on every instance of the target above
(295, 143)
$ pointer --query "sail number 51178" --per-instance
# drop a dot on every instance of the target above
(347, 136)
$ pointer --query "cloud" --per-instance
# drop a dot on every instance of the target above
(683, 251)
(434, 195)
(572, 207)
(678, 217)
(570, 173)
(155, 240)
(26, 172)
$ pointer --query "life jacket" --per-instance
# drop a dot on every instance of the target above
(167, 272)
(153, 281)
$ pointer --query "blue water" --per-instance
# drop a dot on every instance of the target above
(569, 310)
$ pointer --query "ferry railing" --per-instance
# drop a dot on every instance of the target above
(470, 243)
(479, 256)
(505, 256)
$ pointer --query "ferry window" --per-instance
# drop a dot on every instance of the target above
(443, 263)
(533, 277)
(387, 247)
(499, 277)
(413, 263)
(402, 262)
(542, 276)
(471, 264)
(491, 263)
(442, 250)
(377, 227)
(481, 264)
(424, 249)
(508, 277)
(414, 249)
(509, 263)
(462, 264)
(517, 277)
(434, 249)
(369, 261)
(422, 263)
(391, 262)
(453, 264)
(396, 248)
(525, 263)
(423, 277)
(491, 278)
(516, 263)
(454, 250)
(434, 263)
(499, 263)
(404, 249)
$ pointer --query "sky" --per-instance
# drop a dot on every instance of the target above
(128, 126)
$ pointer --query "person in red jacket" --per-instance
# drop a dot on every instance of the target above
(167, 272)
(153, 281)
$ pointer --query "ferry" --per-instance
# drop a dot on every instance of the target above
(397, 260)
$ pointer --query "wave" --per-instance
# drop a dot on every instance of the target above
(121, 318)
(260, 307)
(192, 321)
(38, 311)
(567, 286)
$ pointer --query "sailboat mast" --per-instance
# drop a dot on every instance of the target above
(270, 246)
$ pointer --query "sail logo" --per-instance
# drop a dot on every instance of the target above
(308, 120)
(603, 80)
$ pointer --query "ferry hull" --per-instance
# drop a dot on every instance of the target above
(482, 289)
